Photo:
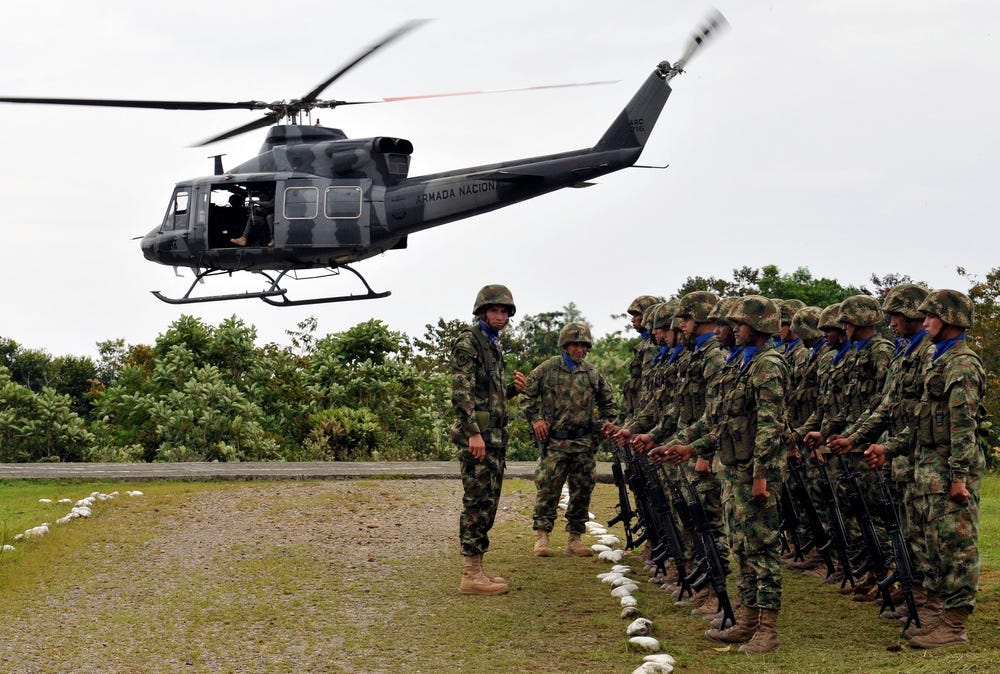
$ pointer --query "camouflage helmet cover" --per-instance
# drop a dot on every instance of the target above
(647, 316)
(905, 299)
(788, 309)
(698, 305)
(828, 318)
(757, 311)
(641, 303)
(721, 310)
(491, 295)
(575, 332)
(860, 310)
(664, 314)
(951, 306)
(805, 323)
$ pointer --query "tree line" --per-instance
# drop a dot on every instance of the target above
(209, 393)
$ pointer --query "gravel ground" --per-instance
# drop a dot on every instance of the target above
(130, 610)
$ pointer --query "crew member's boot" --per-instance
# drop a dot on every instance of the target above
(574, 546)
(542, 548)
(239, 241)
(747, 620)
(950, 630)
(765, 639)
(930, 616)
(475, 581)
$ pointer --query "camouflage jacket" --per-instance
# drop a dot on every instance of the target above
(828, 417)
(803, 387)
(478, 394)
(575, 404)
(663, 380)
(703, 433)
(946, 421)
(752, 418)
(867, 377)
(632, 391)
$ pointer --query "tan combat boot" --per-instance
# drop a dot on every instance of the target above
(716, 621)
(474, 581)
(930, 616)
(709, 607)
(542, 548)
(574, 546)
(495, 579)
(950, 630)
(747, 620)
(765, 639)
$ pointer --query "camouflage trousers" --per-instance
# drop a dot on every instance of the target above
(554, 469)
(709, 489)
(949, 551)
(754, 529)
(482, 482)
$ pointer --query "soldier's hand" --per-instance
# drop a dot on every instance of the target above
(607, 429)
(519, 381)
(477, 446)
(642, 443)
(621, 436)
(759, 489)
(702, 466)
(818, 455)
(813, 439)
(679, 453)
(958, 492)
(541, 428)
(875, 456)
(792, 453)
(839, 445)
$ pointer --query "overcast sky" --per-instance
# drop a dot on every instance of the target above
(851, 137)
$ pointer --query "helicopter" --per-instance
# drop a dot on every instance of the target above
(315, 199)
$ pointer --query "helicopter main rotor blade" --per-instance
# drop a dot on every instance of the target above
(128, 103)
(398, 33)
(267, 120)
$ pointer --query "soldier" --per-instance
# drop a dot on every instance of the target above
(791, 342)
(642, 357)
(948, 469)
(479, 398)
(567, 402)
(750, 449)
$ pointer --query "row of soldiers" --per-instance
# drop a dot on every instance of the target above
(740, 394)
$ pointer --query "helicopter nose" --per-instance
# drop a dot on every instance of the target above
(147, 246)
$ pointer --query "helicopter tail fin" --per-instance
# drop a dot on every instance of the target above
(633, 125)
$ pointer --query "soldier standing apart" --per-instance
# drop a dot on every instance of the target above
(479, 398)
(750, 448)
(567, 402)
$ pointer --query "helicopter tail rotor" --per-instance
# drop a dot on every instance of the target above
(714, 23)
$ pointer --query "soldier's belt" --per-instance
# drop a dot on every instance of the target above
(570, 434)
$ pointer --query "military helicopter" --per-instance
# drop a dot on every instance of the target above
(314, 199)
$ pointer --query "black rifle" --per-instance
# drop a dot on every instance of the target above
(791, 541)
(634, 534)
(821, 540)
(838, 531)
(715, 570)
(874, 559)
(660, 525)
(900, 551)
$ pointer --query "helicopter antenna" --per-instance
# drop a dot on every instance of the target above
(218, 163)
(715, 22)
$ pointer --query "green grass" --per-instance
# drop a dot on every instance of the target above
(282, 605)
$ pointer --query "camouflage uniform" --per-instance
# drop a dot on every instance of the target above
(567, 399)
(479, 399)
(642, 356)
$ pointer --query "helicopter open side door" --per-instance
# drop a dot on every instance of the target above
(323, 213)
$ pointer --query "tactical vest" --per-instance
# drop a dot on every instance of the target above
(803, 390)
(933, 413)
(489, 380)
(738, 419)
(909, 388)
(865, 385)
(691, 385)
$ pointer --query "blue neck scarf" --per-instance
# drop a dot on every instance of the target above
(861, 343)
(570, 363)
(942, 347)
(644, 334)
(661, 354)
(676, 352)
(701, 339)
(901, 344)
(915, 342)
(816, 348)
(734, 353)
(748, 353)
(791, 345)
(844, 350)
(491, 335)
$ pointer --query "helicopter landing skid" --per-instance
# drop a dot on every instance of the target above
(274, 295)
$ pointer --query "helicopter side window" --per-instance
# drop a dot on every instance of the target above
(301, 203)
(343, 202)
(177, 215)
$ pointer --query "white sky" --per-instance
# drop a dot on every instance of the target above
(848, 136)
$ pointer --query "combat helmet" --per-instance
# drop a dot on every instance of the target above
(493, 295)
(860, 310)
(828, 318)
(905, 299)
(641, 303)
(788, 309)
(575, 332)
(805, 323)
(647, 316)
(951, 306)
(698, 305)
(664, 314)
(758, 312)
(720, 311)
